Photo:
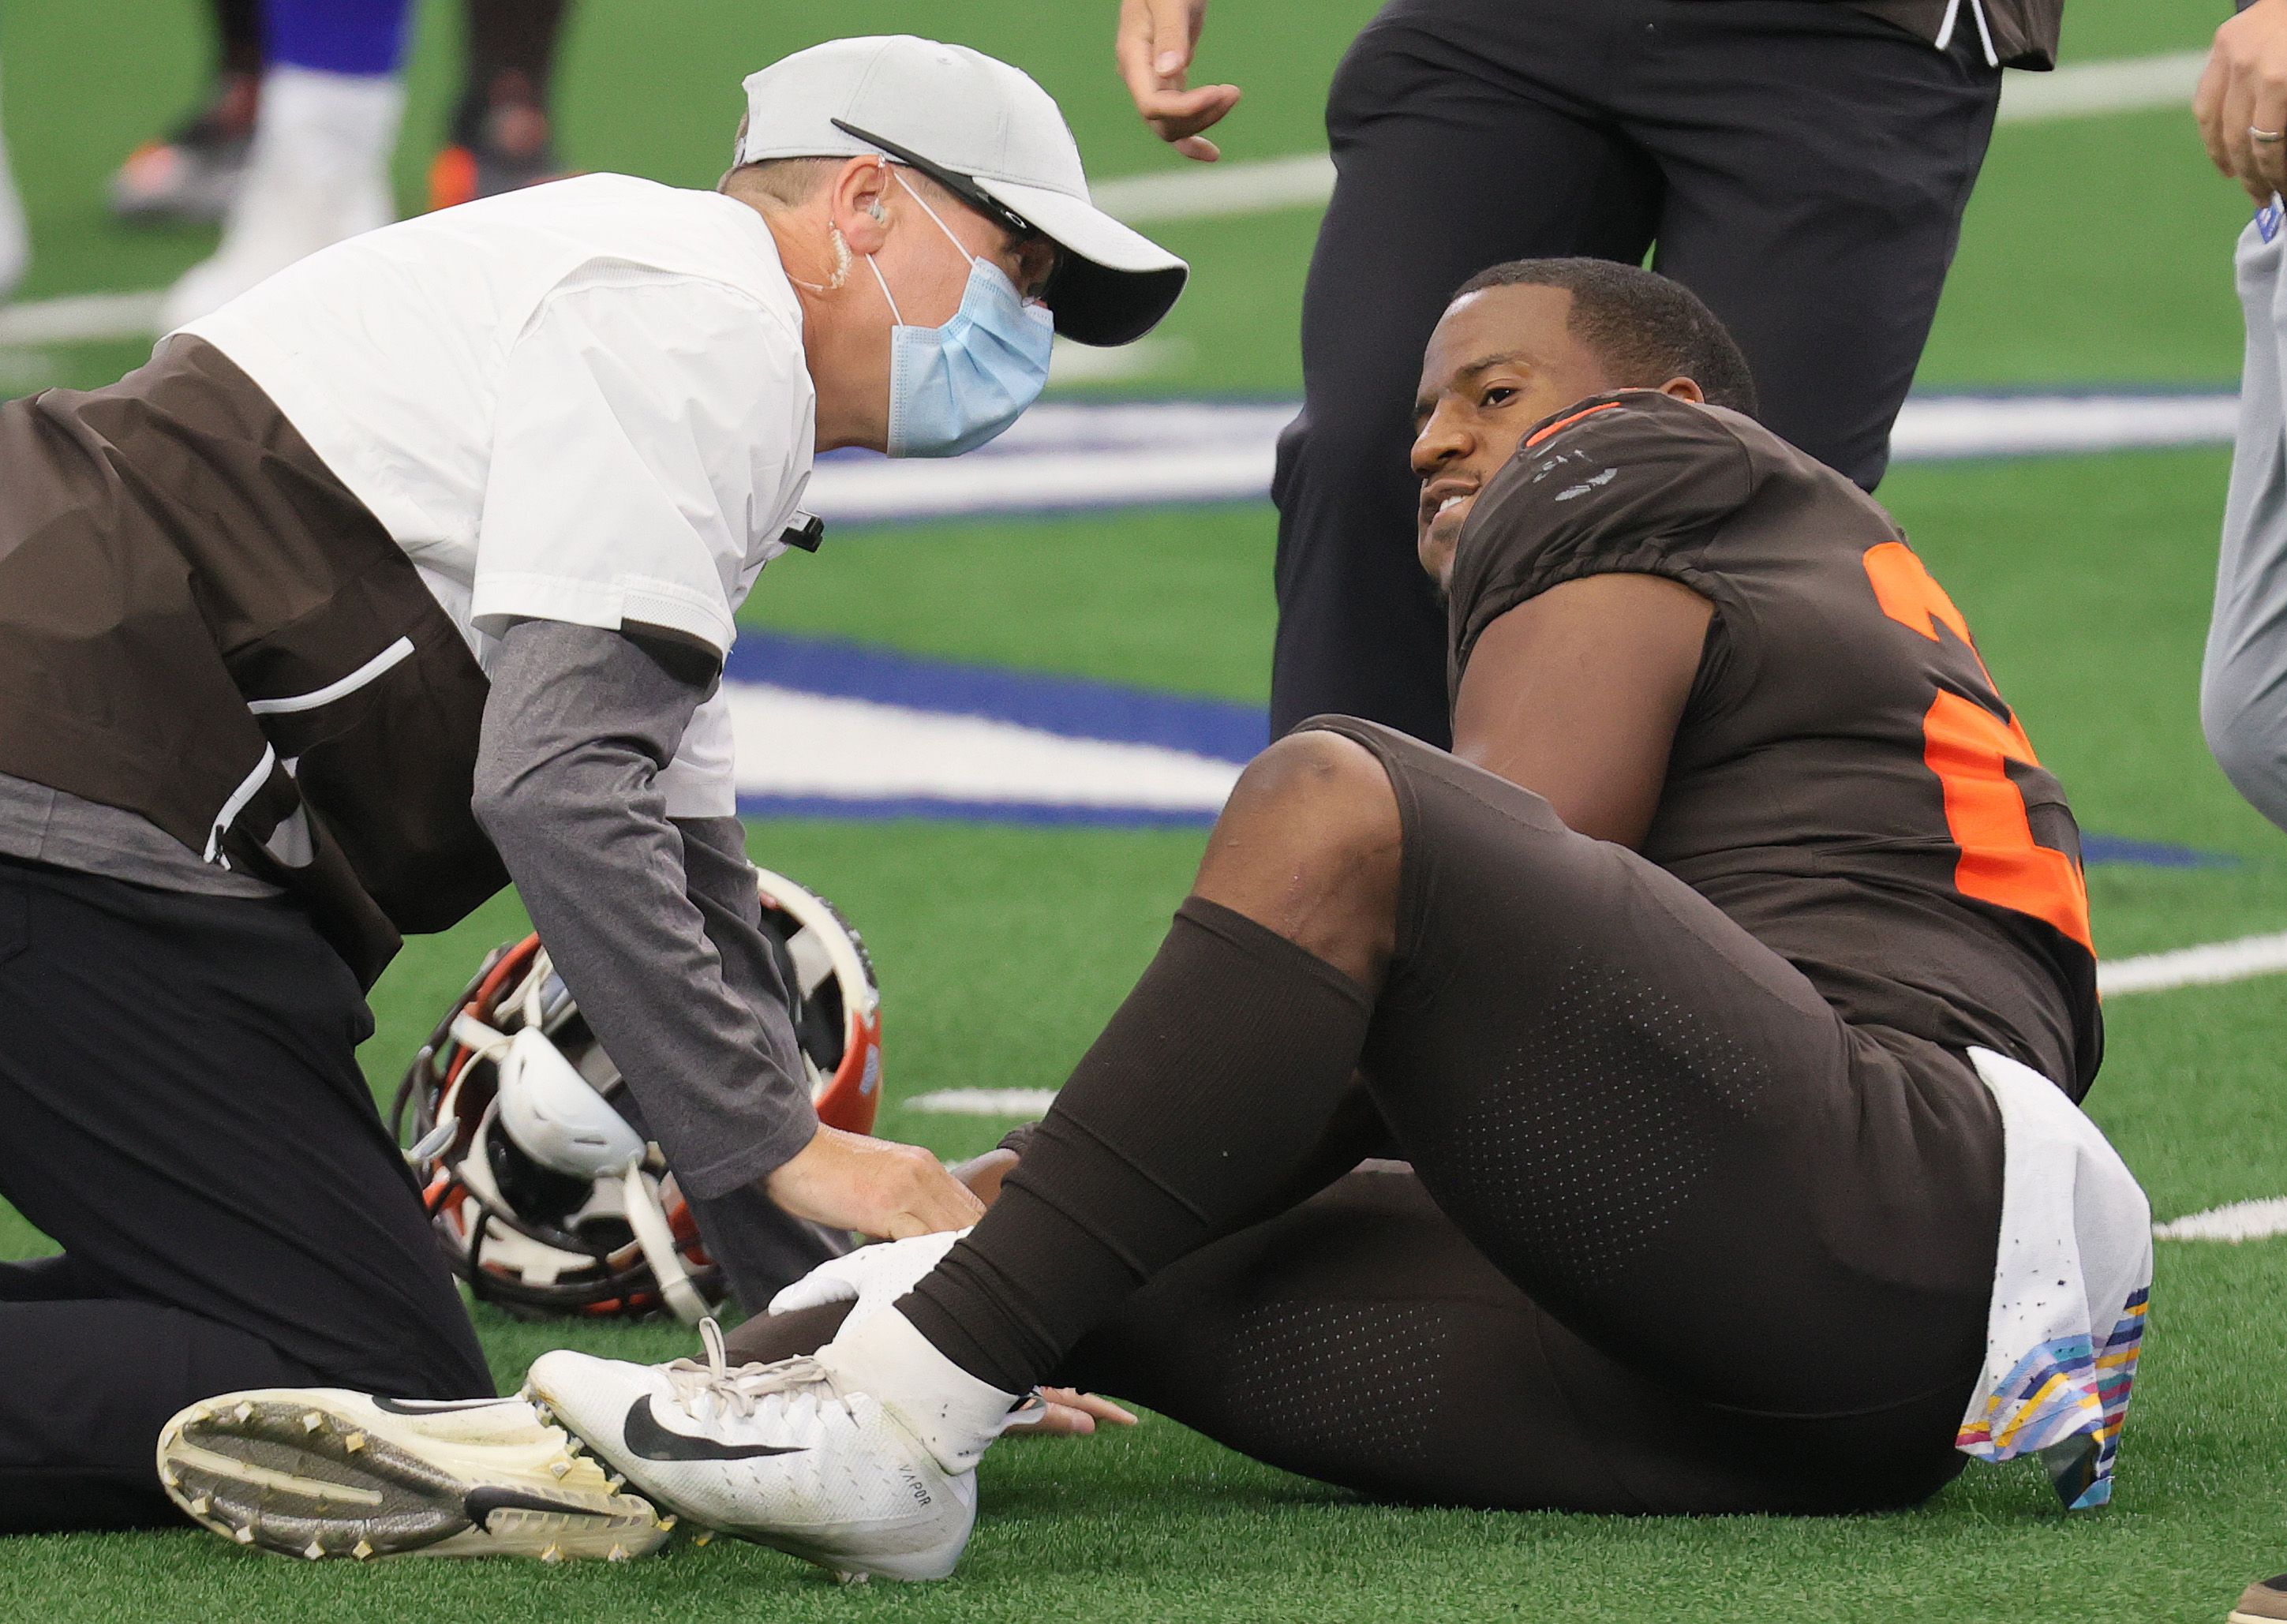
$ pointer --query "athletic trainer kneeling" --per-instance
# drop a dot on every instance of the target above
(460, 511)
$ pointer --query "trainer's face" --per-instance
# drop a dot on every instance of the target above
(1501, 360)
(925, 261)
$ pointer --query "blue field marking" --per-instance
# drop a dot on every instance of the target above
(2151, 854)
(1082, 709)
(1032, 814)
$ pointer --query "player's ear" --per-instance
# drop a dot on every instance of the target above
(1684, 388)
(860, 189)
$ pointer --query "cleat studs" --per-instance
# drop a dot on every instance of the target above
(574, 1446)
(559, 1469)
(615, 1482)
(553, 1554)
(200, 1506)
(705, 1536)
(361, 1549)
(619, 1553)
(354, 1442)
(313, 1551)
(667, 1523)
(312, 1421)
(243, 1412)
(243, 1534)
(167, 1476)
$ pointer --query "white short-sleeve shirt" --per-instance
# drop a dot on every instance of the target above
(584, 402)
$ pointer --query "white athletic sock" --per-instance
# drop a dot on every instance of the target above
(951, 1412)
(15, 242)
(318, 171)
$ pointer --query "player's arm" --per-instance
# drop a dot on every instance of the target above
(1576, 693)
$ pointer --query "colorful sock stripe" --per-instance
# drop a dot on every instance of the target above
(2067, 1402)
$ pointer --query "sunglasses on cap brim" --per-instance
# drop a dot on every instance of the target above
(968, 192)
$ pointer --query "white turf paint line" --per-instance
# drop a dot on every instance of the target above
(983, 1102)
(812, 745)
(1074, 456)
(82, 318)
(2210, 964)
(2240, 1221)
(1205, 190)
(2131, 85)
(2126, 84)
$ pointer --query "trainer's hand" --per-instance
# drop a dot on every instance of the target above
(1154, 51)
(2244, 87)
(875, 1186)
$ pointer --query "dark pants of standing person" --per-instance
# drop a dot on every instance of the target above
(181, 1109)
(1800, 166)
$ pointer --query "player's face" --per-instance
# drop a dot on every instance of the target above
(1501, 360)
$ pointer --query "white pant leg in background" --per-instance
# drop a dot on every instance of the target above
(2243, 678)
(15, 244)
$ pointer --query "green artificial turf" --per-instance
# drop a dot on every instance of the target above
(2097, 251)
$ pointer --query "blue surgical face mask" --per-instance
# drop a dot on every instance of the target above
(954, 387)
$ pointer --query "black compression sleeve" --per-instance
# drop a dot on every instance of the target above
(1208, 1093)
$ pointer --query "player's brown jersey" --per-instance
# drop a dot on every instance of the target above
(1846, 782)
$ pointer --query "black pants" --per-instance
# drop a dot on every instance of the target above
(1675, 1238)
(1800, 166)
(181, 1109)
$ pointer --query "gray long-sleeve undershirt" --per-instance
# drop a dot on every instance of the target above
(652, 921)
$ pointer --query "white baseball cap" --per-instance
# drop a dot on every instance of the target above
(985, 131)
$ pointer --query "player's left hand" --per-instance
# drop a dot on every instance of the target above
(1154, 49)
(1064, 1412)
(2244, 88)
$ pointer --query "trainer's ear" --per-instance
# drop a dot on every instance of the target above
(1684, 388)
(860, 189)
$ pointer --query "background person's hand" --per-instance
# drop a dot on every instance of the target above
(2245, 87)
(876, 1186)
(1154, 52)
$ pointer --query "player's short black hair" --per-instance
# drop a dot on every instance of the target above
(1645, 329)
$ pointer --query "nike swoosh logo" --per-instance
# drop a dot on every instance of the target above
(648, 1441)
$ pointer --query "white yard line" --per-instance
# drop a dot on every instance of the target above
(2130, 84)
(2210, 964)
(82, 318)
(2240, 1221)
(983, 1102)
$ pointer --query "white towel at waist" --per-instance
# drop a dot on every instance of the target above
(2070, 1289)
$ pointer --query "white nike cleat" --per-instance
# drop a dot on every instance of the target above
(795, 1455)
(319, 1472)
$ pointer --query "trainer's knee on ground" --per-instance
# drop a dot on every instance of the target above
(2247, 731)
(1310, 844)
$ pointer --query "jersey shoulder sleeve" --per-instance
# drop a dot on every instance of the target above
(1627, 483)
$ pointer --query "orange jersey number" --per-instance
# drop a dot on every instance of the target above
(1968, 747)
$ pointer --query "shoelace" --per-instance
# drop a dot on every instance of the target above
(702, 1390)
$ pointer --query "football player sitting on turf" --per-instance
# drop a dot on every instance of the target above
(1697, 988)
